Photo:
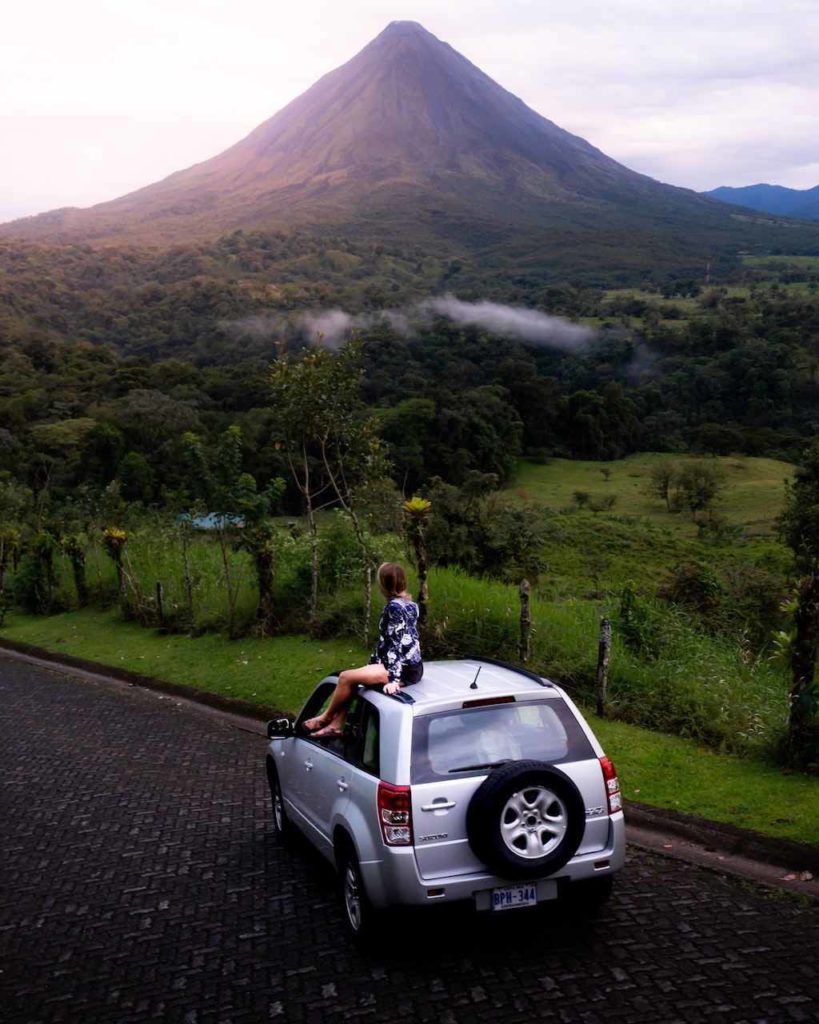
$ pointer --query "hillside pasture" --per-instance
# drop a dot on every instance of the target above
(752, 497)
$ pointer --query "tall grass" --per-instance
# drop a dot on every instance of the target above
(192, 577)
(699, 685)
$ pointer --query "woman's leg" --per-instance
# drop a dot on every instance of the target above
(332, 721)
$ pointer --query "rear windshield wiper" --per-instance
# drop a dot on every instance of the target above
(475, 767)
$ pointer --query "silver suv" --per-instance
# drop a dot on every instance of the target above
(482, 782)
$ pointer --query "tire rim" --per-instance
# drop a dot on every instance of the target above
(533, 822)
(352, 897)
(278, 809)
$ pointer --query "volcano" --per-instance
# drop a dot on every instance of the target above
(408, 139)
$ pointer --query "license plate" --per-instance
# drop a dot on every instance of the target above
(514, 896)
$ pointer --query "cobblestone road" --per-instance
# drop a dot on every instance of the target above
(140, 882)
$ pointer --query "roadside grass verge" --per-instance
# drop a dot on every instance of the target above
(273, 673)
(681, 775)
(664, 771)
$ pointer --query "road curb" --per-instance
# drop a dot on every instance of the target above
(231, 705)
(728, 839)
(709, 836)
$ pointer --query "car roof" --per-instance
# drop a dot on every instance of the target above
(449, 683)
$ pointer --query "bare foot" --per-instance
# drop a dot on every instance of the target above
(311, 724)
(390, 688)
(329, 730)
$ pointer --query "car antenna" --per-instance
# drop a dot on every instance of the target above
(474, 684)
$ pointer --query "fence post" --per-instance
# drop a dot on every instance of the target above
(160, 610)
(603, 652)
(525, 647)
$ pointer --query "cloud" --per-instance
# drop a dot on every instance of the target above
(331, 326)
(528, 325)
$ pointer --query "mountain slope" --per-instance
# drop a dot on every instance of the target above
(787, 202)
(411, 141)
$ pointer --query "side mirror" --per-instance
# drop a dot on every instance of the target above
(279, 728)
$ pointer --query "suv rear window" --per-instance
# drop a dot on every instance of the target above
(472, 740)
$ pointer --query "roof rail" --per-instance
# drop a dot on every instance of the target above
(516, 668)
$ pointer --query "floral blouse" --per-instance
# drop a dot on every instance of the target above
(398, 643)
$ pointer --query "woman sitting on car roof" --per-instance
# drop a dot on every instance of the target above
(395, 662)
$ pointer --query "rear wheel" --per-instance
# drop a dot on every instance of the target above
(360, 916)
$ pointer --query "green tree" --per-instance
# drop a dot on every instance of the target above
(195, 469)
(799, 527)
(229, 489)
(261, 539)
(698, 485)
(329, 440)
(661, 481)
(75, 545)
(799, 521)
(303, 403)
(136, 478)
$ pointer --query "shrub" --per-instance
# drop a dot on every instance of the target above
(581, 498)
(34, 586)
(693, 586)
(640, 624)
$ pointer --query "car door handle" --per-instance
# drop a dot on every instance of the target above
(308, 765)
(438, 805)
(342, 785)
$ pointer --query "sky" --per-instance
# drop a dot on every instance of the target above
(99, 97)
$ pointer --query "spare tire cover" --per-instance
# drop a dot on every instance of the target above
(526, 819)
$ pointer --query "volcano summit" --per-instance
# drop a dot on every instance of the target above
(409, 138)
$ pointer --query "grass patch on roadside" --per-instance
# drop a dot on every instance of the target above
(275, 673)
(656, 769)
(678, 774)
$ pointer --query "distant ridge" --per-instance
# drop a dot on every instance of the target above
(787, 202)
(410, 142)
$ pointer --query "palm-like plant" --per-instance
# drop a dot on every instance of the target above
(417, 511)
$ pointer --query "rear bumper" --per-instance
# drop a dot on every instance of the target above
(394, 880)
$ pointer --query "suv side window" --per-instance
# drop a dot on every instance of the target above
(317, 704)
(314, 706)
(359, 742)
(362, 739)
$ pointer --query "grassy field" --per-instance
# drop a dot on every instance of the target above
(687, 303)
(807, 262)
(752, 497)
(655, 769)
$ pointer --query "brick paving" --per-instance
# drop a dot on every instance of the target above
(139, 881)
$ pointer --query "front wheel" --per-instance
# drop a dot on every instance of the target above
(281, 823)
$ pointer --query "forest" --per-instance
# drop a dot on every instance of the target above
(142, 396)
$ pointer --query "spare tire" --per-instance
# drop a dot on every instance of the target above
(526, 820)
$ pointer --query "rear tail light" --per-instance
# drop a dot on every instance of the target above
(395, 814)
(612, 785)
